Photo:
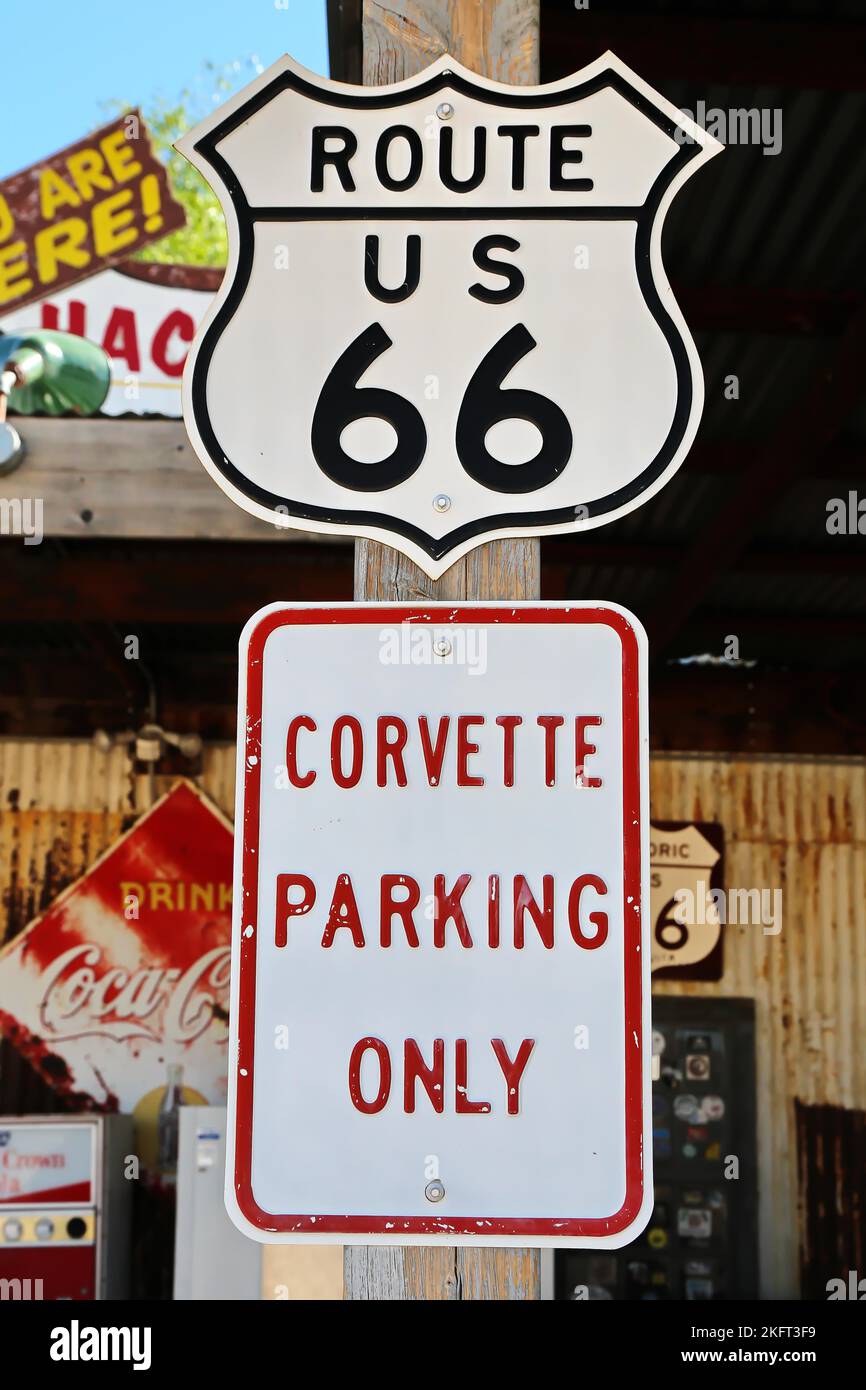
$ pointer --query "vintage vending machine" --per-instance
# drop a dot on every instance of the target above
(212, 1259)
(65, 1206)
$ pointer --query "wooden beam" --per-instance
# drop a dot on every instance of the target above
(739, 710)
(710, 708)
(344, 40)
(134, 479)
(842, 459)
(757, 309)
(111, 477)
(199, 582)
(165, 582)
(843, 556)
(809, 627)
(498, 38)
(815, 421)
(818, 53)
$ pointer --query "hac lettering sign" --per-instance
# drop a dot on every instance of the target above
(144, 316)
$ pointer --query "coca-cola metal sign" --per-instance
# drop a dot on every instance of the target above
(127, 972)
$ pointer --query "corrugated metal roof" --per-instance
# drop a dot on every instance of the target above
(768, 220)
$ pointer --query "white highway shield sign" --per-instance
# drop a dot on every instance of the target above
(440, 1010)
(445, 316)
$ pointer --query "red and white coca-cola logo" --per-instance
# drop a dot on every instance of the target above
(162, 1004)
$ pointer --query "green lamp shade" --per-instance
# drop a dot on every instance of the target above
(57, 372)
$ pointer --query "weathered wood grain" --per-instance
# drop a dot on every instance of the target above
(127, 479)
(504, 569)
(384, 575)
(501, 569)
(498, 38)
(439, 1273)
(401, 1274)
(504, 1275)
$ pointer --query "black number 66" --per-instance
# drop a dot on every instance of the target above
(484, 405)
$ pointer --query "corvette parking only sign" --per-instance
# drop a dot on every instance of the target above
(440, 975)
(445, 317)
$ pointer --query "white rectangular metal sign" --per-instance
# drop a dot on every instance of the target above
(445, 316)
(440, 1009)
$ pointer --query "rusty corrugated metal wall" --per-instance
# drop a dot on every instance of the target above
(795, 824)
(831, 1151)
(800, 825)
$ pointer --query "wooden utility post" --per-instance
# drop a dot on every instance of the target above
(498, 39)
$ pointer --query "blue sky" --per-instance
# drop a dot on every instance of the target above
(71, 61)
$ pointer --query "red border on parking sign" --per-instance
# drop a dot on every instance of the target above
(401, 1228)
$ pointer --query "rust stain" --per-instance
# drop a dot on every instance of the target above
(831, 1161)
(51, 1068)
(747, 804)
(34, 872)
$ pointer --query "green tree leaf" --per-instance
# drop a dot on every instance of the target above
(203, 240)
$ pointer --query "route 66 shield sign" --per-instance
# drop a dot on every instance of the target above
(444, 317)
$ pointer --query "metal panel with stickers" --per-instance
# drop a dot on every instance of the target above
(701, 1240)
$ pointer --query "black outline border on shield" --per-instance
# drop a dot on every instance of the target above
(643, 215)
